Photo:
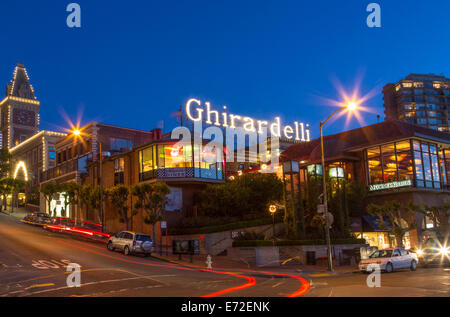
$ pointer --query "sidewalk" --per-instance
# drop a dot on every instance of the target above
(222, 262)
(18, 213)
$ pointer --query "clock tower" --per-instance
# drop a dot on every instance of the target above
(19, 110)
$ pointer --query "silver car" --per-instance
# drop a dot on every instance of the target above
(390, 260)
(131, 243)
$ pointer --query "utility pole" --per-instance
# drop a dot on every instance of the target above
(101, 187)
(325, 204)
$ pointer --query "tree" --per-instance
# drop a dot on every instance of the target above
(49, 190)
(5, 162)
(96, 200)
(85, 199)
(157, 200)
(118, 196)
(440, 215)
(402, 218)
(10, 186)
(140, 191)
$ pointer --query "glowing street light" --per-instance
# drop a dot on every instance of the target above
(350, 106)
(273, 210)
(76, 132)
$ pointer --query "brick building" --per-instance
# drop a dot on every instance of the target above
(74, 152)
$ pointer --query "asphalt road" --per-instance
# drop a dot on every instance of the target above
(424, 282)
(33, 263)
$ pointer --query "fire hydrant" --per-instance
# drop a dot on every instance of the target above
(209, 262)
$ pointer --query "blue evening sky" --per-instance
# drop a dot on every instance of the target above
(133, 63)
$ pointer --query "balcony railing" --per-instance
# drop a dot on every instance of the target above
(181, 172)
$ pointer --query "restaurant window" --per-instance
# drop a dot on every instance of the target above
(426, 162)
(119, 167)
(314, 170)
(404, 160)
(390, 162)
(374, 164)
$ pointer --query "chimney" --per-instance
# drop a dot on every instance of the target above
(156, 134)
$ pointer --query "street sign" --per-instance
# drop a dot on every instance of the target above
(330, 218)
(163, 224)
(320, 209)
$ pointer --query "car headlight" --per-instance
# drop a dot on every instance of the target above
(444, 251)
(420, 252)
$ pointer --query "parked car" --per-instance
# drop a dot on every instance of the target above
(131, 243)
(390, 260)
(38, 217)
(435, 250)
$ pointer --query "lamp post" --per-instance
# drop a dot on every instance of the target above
(77, 133)
(351, 106)
(273, 210)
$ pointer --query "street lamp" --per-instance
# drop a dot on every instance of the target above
(273, 210)
(350, 106)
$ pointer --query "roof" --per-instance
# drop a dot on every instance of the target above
(20, 84)
(37, 136)
(343, 145)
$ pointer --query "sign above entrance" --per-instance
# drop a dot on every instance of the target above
(404, 183)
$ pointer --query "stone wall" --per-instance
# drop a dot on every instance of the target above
(281, 255)
(217, 242)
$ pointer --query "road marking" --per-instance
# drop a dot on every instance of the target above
(86, 284)
(319, 275)
(278, 284)
(40, 285)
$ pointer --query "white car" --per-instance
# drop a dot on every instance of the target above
(390, 260)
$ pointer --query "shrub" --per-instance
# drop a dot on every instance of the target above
(247, 194)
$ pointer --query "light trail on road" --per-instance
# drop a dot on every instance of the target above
(304, 288)
(251, 281)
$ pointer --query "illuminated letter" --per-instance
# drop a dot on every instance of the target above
(188, 109)
(232, 117)
(297, 138)
(224, 115)
(209, 112)
(74, 18)
(307, 133)
(303, 131)
(250, 125)
(288, 130)
(374, 18)
(277, 124)
(260, 125)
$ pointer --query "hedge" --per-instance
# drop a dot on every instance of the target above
(264, 243)
(224, 227)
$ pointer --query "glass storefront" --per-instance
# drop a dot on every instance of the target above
(390, 163)
(169, 160)
(413, 160)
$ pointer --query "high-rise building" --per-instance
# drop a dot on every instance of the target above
(422, 99)
(19, 110)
